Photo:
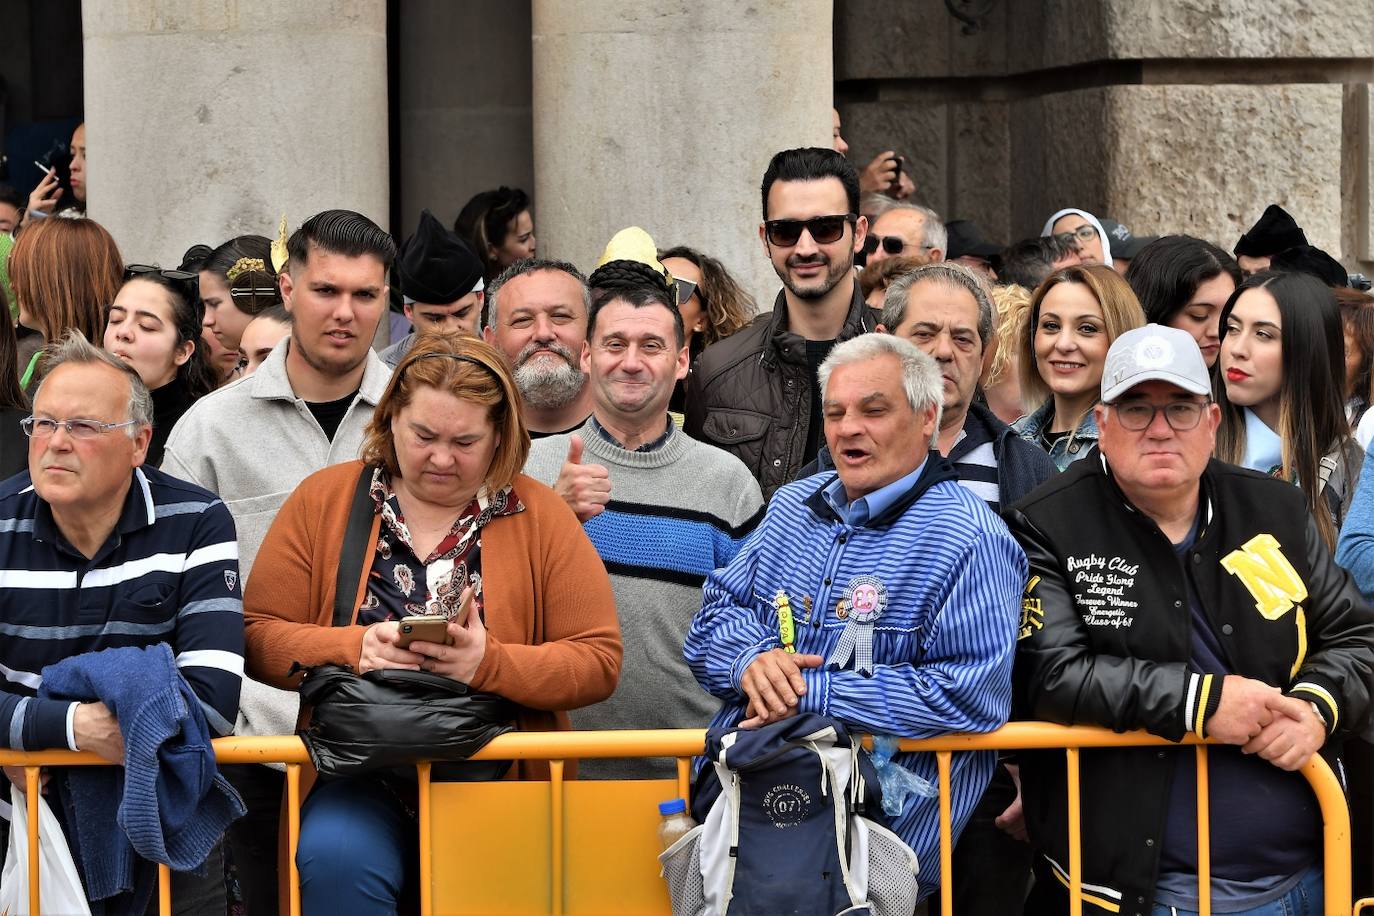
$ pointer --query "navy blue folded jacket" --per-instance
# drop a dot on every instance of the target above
(168, 803)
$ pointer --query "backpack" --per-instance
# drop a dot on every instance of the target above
(789, 822)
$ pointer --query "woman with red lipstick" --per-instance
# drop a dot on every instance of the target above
(1183, 282)
(1281, 392)
(1074, 317)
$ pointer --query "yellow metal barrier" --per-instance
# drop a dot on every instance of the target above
(586, 833)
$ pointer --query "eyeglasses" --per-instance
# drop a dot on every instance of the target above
(43, 427)
(685, 290)
(1084, 233)
(824, 230)
(1180, 415)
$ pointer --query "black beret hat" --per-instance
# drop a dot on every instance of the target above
(1275, 232)
(1304, 259)
(435, 266)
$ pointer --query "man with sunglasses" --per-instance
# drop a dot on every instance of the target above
(1173, 593)
(907, 229)
(99, 552)
(754, 394)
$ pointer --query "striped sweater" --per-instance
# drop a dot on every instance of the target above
(951, 578)
(677, 513)
(168, 573)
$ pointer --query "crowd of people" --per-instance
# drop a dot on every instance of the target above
(1090, 477)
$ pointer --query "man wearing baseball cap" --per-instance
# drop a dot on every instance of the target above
(1171, 592)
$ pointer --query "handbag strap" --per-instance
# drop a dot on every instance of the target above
(357, 538)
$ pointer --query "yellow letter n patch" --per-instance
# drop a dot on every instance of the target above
(1032, 614)
(1266, 573)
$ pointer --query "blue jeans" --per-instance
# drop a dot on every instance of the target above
(358, 851)
(1305, 899)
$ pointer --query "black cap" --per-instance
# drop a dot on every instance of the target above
(965, 240)
(435, 266)
(1275, 232)
(1125, 244)
(1304, 259)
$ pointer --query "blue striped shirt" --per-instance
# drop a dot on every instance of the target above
(943, 645)
(168, 572)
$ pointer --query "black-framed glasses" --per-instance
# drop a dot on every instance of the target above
(892, 244)
(43, 427)
(1181, 416)
(824, 230)
(1084, 233)
(685, 288)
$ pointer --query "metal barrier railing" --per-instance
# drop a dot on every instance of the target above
(558, 747)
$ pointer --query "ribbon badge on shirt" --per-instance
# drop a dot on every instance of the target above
(864, 599)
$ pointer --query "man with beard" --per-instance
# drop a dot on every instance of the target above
(251, 442)
(537, 316)
(754, 394)
(680, 509)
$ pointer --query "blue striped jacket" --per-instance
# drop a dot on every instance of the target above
(168, 573)
(943, 645)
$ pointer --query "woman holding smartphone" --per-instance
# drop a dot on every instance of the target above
(453, 523)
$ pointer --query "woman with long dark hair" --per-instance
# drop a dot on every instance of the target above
(1281, 391)
(499, 227)
(154, 325)
(1183, 282)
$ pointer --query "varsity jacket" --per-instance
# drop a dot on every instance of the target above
(1105, 640)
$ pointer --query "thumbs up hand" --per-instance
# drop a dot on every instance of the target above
(586, 488)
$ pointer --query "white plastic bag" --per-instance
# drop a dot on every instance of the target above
(60, 891)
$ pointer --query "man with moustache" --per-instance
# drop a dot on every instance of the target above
(754, 394)
(251, 443)
(537, 315)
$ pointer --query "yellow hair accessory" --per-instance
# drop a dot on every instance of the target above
(634, 244)
(279, 247)
(242, 266)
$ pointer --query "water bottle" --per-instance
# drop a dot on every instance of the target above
(675, 823)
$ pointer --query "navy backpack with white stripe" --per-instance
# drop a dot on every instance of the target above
(790, 821)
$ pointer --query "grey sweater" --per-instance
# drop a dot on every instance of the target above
(250, 443)
(676, 514)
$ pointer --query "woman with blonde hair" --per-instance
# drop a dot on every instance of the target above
(454, 533)
(65, 273)
(1074, 317)
(1001, 382)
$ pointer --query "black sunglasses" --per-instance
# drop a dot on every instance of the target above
(180, 276)
(824, 230)
(890, 243)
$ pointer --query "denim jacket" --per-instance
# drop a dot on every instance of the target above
(1066, 451)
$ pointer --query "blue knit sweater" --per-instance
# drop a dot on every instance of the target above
(168, 802)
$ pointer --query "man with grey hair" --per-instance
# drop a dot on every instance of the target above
(946, 311)
(882, 593)
(907, 228)
(537, 315)
(98, 552)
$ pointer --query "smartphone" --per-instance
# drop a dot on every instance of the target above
(896, 186)
(424, 629)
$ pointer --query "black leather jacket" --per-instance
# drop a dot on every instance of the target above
(750, 393)
(1105, 640)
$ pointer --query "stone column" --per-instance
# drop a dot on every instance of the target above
(206, 120)
(665, 115)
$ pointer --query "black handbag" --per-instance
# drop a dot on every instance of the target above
(393, 717)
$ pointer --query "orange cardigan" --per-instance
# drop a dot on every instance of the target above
(553, 639)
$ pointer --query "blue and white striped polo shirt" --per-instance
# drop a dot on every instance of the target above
(168, 572)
